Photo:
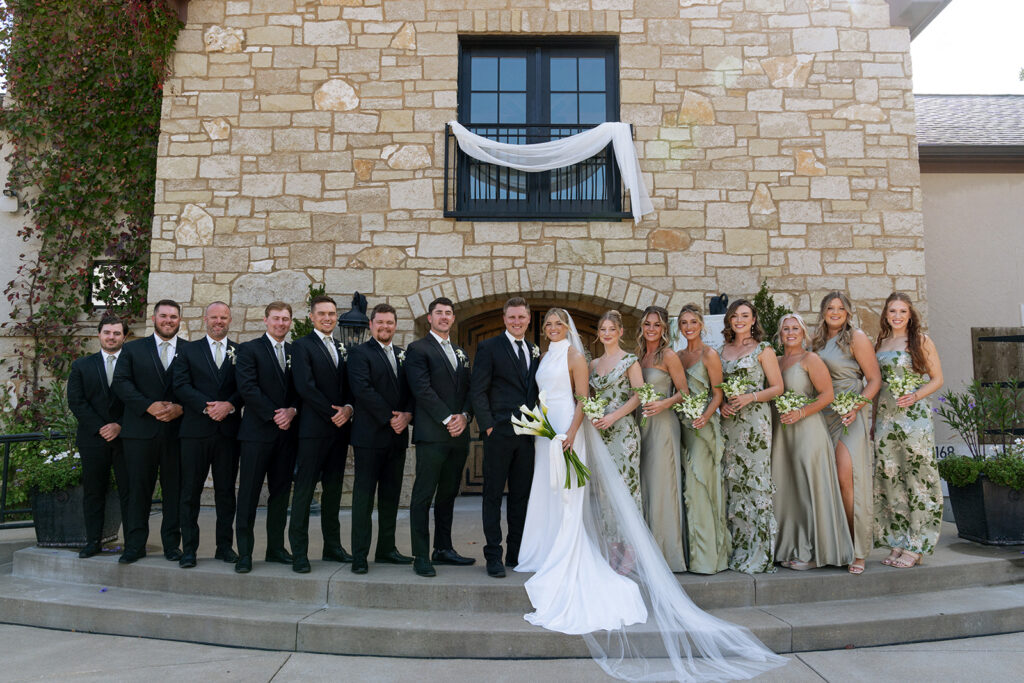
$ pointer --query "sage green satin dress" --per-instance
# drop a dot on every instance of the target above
(808, 502)
(661, 474)
(847, 376)
(705, 489)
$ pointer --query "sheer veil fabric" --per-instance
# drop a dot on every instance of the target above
(679, 641)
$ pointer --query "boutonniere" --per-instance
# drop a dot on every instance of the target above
(461, 355)
(400, 356)
(288, 361)
(535, 351)
(342, 351)
(231, 355)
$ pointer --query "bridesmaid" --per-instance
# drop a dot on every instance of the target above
(702, 459)
(613, 376)
(908, 495)
(660, 465)
(808, 503)
(851, 361)
(748, 438)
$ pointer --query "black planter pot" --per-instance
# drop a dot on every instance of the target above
(60, 522)
(988, 513)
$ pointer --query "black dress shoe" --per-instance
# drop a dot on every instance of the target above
(89, 550)
(130, 556)
(226, 554)
(187, 561)
(495, 569)
(280, 555)
(394, 557)
(359, 565)
(449, 556)
(300, 565)
(338, 554)
(511, 563)
(422, 566)
(244, 565)
(172, 555)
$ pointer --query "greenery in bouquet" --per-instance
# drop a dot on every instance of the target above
(593, 407)
(535, 423)
(692, 406)
(647, 394)
(790, 401)
(845, 402)
(737, 384)
(900, 377)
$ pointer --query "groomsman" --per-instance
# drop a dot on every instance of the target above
(503, 379)
(380, 437)
(204, 382)
(318, 369)
(143, 380)
(99, 423)
(438, 373)
(267, 435)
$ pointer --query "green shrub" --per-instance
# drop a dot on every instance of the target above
(960, 470)
(769, 314)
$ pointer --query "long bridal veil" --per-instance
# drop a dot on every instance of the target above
(679, 642)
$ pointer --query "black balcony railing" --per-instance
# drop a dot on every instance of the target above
(473, 189)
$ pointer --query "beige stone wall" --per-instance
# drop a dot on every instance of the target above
(303, 142)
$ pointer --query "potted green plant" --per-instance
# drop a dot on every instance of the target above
(985, 488)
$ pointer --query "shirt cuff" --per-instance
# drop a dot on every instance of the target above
(447, 420)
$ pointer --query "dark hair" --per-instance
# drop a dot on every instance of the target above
(915, 337)
(756, 333)
(383, 308)
(322, 299)
(515, 302)
(440, 301)
(166, 302)
(277, 306)
(112, 320)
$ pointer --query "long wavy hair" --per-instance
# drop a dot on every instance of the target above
(755, 330)
(915, 337)
(799, 321)
(845, 337)
(693, 309)
(663, 345)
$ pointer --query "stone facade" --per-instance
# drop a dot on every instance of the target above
(303, 141)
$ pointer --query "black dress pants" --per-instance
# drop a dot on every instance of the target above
(380, 471)
(323, 460)
(508, 458)
(97, 461)
(145, 459)
(275, 462)
(439, 469)
(198, 457)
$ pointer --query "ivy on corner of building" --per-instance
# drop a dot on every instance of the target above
(81, 119)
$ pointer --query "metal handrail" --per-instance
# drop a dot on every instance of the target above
(6, 440)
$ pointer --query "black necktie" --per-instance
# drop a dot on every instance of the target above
(524, 365)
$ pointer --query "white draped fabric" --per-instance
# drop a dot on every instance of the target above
(546, 156)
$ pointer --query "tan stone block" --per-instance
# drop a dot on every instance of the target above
(821, 39)
(805, 262)
(578, 251)
(276, 81)
(355, 123)
(844, 144)
(405, 38)
(664, 239)
(219, 166)
(861, 112)
(746, 241)
(359, 61)
(189, 65)
(363, 169)
(176, 167)
(206, 293)
(696, 109)
(325, 161)
(807, 163)
(639, 56)
(791, 71)
(251, 141)
(217, 129)
(681, 219)
(368, 200)
(379, 257)
(641, 92)
(262, 184)
(398, 121)
(326, 33)
(785, 125)
(404, 10)
(387, 282)
(303, 184)
(225, 259)
(218, 104)
(904, 173)
(294, 57)
(270, 35)
(799, 212)
(286, 102)
(294, 140)
(727, 215)
(830, 187)
(412, 194)
(336, 95)
(440, 246)
(762, 204)
(310, 255)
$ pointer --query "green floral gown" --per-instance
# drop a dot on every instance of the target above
(748, 474)
(908, 493)
(623, 438)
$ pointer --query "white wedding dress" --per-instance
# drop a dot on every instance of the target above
(637, 621)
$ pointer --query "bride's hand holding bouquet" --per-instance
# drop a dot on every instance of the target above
(534, 422)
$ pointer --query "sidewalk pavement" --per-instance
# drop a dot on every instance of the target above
(35, 654)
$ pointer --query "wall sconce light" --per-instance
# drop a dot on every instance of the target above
(9, 202)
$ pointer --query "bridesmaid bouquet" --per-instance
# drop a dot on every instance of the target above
(692, 406)
(594, 407)
(844, 402)
(647, 394)
(535, 423)
(790, 401)
(901, 383)
(736, 384)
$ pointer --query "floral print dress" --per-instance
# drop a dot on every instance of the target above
(623, 438)
(748, 474)
(908, 493)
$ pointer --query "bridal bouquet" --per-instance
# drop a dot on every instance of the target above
(736, 384)
(790, 401)
(844, 402)
(901, 380)
(692, 406)
(594, 407)
(535, 423)
(647, 394)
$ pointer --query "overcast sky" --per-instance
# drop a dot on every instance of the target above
(973, 47)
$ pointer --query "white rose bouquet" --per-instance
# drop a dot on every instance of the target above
(790, 401)
(737, 384)
(902, 382)
(594, 407)
(846, 402)
(692, 406)
(647, 394)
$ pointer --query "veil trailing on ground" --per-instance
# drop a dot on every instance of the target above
(679, 641)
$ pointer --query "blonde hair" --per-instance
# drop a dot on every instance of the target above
(691, 308)
(614, 316)
(799, 321)
(845, 337)
(559, 313)
(663, 343)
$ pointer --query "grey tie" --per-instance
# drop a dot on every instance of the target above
(390, 352)
(110, 369)
(332, 350)
(280, 355)
(164, 356)
(447, 346)
(218, 356)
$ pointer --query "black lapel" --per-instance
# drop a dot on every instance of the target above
(163, 374)
(208, 355)
(387, 363)
(439, 351)
(268, 345)
(510, 347)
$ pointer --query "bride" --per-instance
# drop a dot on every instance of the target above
(570, 538)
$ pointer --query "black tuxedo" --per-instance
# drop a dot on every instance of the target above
(206, 443)
(323, 447)
(267, 451)
(150, 446)
(440, 391)
(499, 386)
(95, 405)
(379, 451)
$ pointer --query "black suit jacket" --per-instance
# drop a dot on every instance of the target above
(197, 380)
(320, 385)
(376, 391)
(91, 400)
(140, 380)
(497, 386)
(438, 390)
(264, 389)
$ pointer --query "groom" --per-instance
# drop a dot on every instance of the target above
(503, 380)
